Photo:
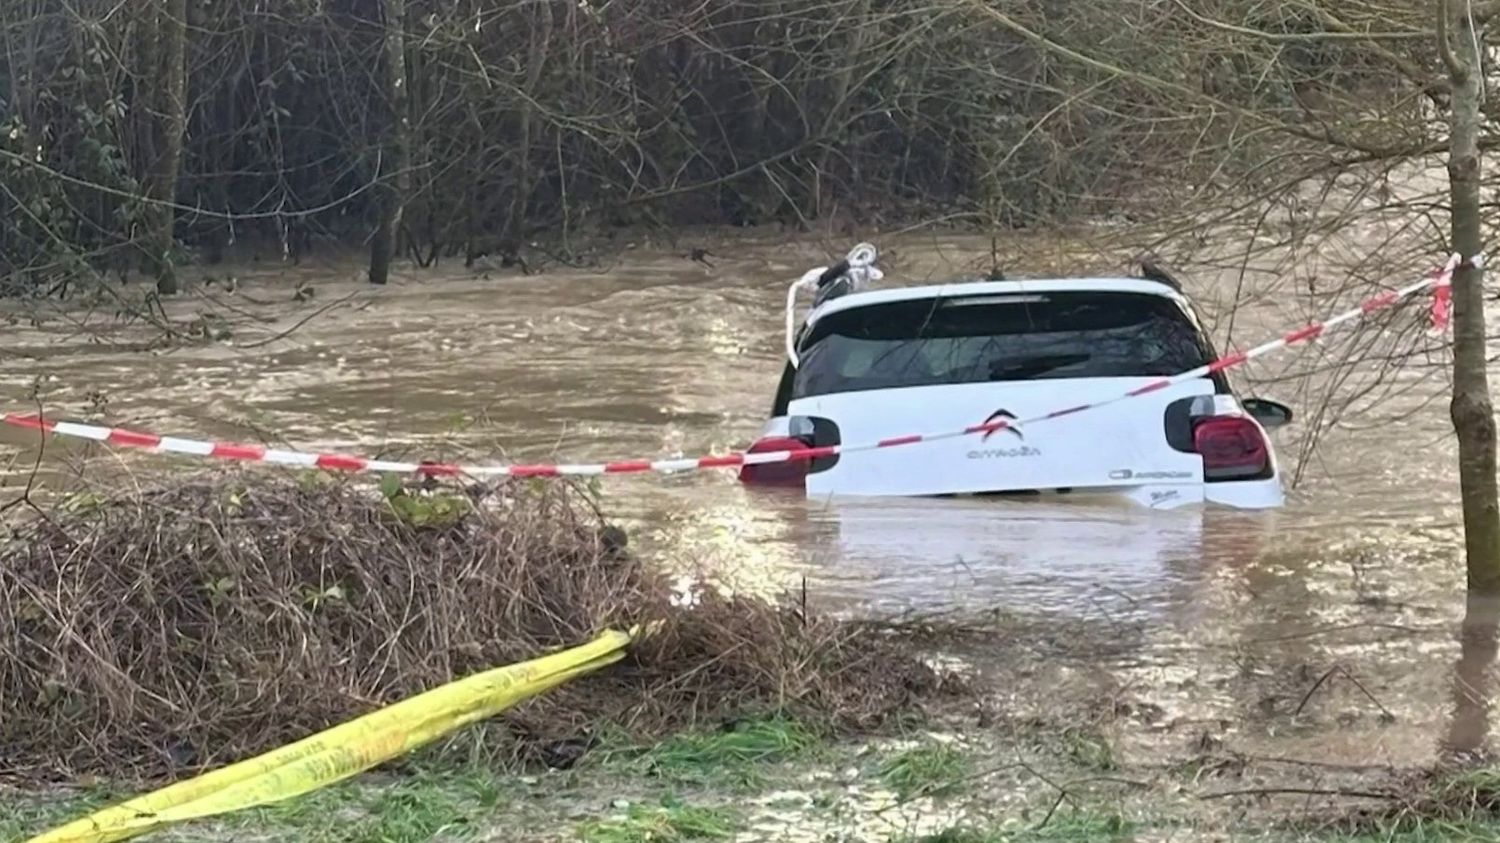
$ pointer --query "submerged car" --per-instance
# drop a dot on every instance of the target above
(1039, 371)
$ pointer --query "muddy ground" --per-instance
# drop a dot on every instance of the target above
(1041, 748)
(1063, 775)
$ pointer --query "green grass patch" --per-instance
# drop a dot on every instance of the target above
(454, 804)
(24, 815)
(730, 756)
(451, 804)
(936, 770)
(1461, 805)
(670, 821)
(1466, 793)
(1086, 826)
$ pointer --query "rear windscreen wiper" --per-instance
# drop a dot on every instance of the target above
(1030, 367)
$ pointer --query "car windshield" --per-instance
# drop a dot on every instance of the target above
(1008, 337)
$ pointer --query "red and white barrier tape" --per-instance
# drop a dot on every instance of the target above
(1440, 280)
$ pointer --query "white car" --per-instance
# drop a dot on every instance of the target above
(888, 365)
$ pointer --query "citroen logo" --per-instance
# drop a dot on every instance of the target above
(1002, 414)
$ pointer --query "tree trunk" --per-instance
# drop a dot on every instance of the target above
(539, 43)
(172, 41)
(1473, 680)
(1472, 412)
(393, 170)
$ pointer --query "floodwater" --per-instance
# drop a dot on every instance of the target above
(1219, 621)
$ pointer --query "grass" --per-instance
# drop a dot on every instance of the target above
(926, 771)
(1089, 826)
(1467, 792)
(801, 786)
(1457, 806)
(431, 800)
(455, 804)
(22, 816)
(1082, 826)
(732, 755)
(1089, 749)
(1423, 831)
(671, 821)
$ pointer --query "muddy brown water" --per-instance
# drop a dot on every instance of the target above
(1216, 624)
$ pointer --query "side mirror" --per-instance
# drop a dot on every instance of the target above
(1269, 413)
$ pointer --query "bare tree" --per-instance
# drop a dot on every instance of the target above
(171, 107)
(1472, 411)
(525, 118)
(395, 178)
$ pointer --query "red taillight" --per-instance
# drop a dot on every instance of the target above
(1232, 447)
(785, 473)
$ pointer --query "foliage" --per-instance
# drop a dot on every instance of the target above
(420, 509)
(574, 116)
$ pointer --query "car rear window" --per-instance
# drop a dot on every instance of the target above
(1006, 337)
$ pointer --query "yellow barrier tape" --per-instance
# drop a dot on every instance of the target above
(344, 750)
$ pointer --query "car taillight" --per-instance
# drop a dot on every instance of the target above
(785, 473)
(1233, 448)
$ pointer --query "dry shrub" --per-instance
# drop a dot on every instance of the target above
(213, 619)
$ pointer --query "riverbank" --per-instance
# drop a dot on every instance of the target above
(736, 727)
(1062, 731)
(776, 780)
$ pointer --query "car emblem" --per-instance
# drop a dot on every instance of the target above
(1002, 414)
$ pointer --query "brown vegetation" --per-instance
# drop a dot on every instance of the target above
(487, 121)
(212, 619)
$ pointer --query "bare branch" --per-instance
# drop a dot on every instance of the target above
(1457, 71)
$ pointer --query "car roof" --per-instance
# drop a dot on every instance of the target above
(952, 289)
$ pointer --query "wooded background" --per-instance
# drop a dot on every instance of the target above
(460, 127)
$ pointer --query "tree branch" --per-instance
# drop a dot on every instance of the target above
(1300, 37)
(1457, 71)
(1485, 12)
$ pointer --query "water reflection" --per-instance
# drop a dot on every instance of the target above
(1474, 679)
(1045, 554)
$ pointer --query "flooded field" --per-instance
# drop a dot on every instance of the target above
(1327, 631)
